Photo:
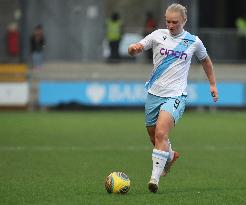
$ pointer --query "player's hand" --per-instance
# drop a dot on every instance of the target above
(135, 49)
(214, 93)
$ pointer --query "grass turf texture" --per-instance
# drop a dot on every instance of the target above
(63, 158)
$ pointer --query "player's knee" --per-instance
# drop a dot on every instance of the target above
(161, 136)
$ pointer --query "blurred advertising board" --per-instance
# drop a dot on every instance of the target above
(230, 94)
(14, 94)
(106, 93)
(132, 93)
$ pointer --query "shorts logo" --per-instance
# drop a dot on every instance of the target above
(175, 54)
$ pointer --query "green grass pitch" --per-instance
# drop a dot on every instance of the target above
(64, 157)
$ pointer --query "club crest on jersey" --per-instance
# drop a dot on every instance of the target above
(186, 43)
(164, 38)
(175, 54)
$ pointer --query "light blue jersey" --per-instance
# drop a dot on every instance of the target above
(171, 58)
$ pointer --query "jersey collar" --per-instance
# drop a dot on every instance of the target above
(178, 34)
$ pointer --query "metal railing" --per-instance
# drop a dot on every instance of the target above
(224, 45)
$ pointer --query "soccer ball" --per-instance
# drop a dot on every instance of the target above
(117, 182)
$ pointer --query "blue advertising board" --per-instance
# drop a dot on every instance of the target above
(230, 94)
(92, 93)
(132, 93)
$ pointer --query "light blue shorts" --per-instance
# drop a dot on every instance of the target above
(154, 104)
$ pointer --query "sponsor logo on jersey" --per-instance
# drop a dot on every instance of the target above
(175, 54)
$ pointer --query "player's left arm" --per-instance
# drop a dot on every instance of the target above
(208, 68)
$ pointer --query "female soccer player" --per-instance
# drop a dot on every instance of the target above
(173, 49)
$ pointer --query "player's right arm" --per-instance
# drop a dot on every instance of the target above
(135, 49)
(142, 45)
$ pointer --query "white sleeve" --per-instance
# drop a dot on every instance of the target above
(147, 42)
(201, 51)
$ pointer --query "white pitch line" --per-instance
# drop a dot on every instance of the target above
(111, 148)
(72, 148)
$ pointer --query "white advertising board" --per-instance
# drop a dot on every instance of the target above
(14, 94)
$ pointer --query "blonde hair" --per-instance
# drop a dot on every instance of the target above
(178, 8)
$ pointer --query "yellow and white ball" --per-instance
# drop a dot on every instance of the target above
(117, 182)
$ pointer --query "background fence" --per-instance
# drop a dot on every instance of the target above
(75, 30)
